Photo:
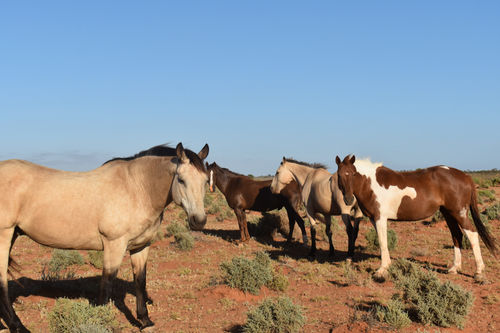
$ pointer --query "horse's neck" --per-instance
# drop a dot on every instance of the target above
(300, 173)
(155, 177)
(222, 180)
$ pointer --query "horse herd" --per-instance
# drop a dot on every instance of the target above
(119, 206)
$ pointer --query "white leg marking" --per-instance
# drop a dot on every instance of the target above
(474, 241)
(457, 261)
(381, 226)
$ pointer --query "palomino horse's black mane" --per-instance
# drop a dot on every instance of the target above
(164, 150)
(312, 165)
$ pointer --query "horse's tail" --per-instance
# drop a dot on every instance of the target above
(485, 235)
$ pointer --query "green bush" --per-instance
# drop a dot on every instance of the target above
(433, 302)
(69, 316)
(184, 241)
(275, 315)
(488, 195)
(492, 212)
(250, 275)
(393, 314)
(175, 228)
(96, 258)
(372, 239)
(183, 238)
(62, 259)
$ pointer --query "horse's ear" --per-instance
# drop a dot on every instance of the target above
(337, 160)
(284, 160)
(204, 152)
(181, 154)
(353, 159)
(206, 165)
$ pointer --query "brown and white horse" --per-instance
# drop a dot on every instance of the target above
(384, 194)
(115, 208)
(322, 198)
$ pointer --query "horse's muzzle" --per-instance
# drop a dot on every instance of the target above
(197, 222)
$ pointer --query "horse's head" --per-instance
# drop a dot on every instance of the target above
(212, 175)
(188, 187)
(282, 178)
(345, 174)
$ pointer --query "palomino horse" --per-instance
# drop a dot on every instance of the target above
(115, 208)
(321, 197)
(244, 193)
(415, 195)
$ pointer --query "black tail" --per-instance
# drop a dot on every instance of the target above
(487, 238)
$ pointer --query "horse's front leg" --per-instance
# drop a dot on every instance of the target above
(139, 259)
(381, 227)
(113, 253)
(293, 217)
(346, 218)
(6, 309)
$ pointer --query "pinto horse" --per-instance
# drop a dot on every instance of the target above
(115, 208)
(415, 195)
(322, 198)
(244, 193)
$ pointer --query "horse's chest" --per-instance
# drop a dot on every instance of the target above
(145, 234)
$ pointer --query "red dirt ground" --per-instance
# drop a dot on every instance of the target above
(187, 298)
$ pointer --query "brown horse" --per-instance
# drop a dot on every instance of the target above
(244, 193)
(114, 208)
(415, 195)
(321, 197)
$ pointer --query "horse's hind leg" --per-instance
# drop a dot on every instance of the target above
(112, 258)
(6, 310)
(329, 233)
(456, 235)
(242, 224)
(139, 259)
(466, 225)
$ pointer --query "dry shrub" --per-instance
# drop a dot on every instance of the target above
(69, 316)
(433, 302)
(275, 315)
(250, 275)
(372, 239)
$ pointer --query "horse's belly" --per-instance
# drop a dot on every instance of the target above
(63, 236)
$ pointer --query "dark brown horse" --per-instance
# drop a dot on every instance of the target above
(384, 194)
(244, 193)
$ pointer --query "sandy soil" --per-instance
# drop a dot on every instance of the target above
(187, 298)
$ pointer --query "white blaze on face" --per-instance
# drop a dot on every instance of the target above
(211, 179)
(444, 167)
(389, 199)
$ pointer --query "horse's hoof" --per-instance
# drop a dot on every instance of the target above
(380, 276)
(148, 329)
(479, 278)
(147, 326)
(348, 260)
(453, 271)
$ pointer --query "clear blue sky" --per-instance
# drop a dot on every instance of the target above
(408, 83)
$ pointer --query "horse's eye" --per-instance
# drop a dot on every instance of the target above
(181, 181)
